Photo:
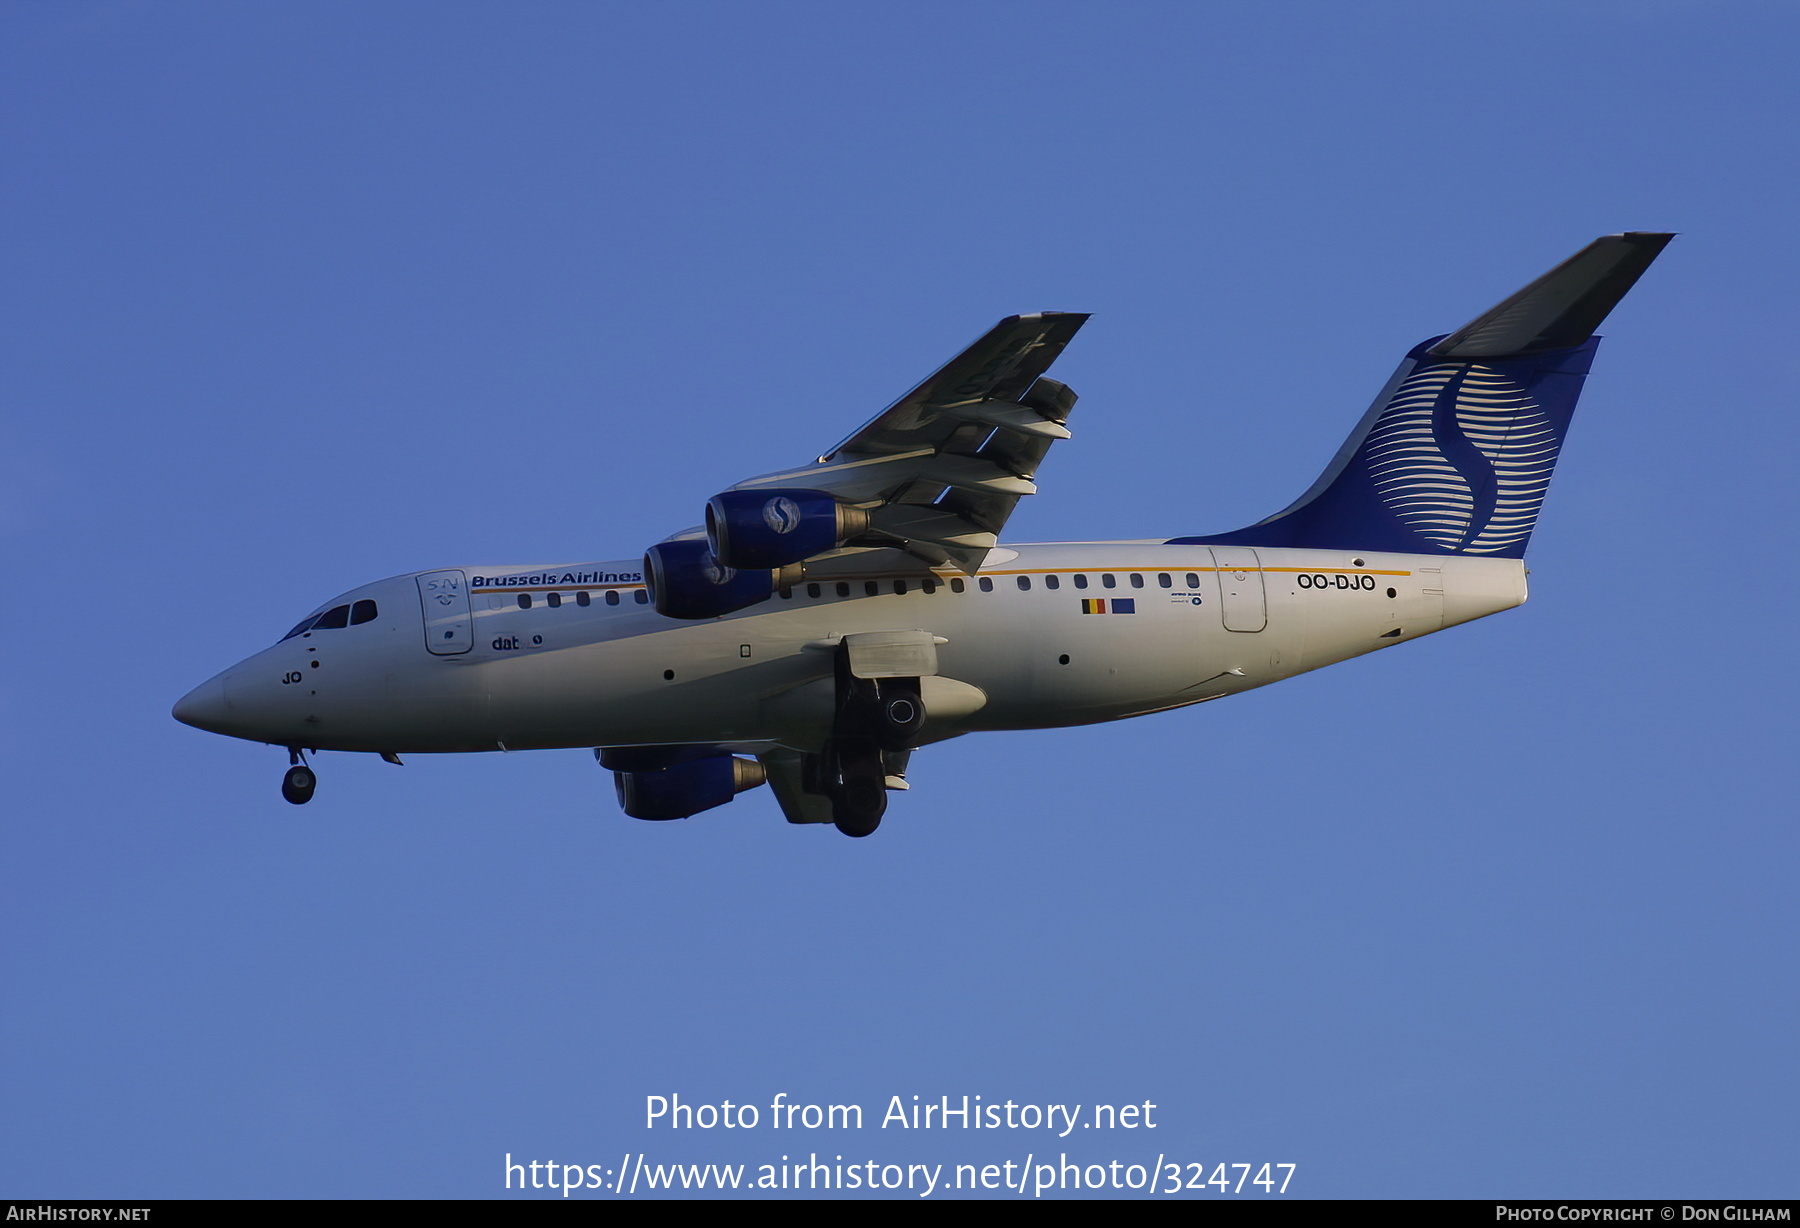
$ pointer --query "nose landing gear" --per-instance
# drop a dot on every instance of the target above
(298, 785)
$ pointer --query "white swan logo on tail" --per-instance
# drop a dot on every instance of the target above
(1413, 468)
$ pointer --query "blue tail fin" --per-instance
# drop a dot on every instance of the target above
(1455, 455)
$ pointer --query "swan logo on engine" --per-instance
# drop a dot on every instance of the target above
(781, 514)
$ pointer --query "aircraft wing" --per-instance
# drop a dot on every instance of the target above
(940, 470)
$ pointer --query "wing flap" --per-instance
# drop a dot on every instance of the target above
(1011, 415)
(879, 479)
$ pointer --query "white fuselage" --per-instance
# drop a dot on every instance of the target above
(1022, 644)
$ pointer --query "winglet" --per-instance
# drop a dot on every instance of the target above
(1561, 309)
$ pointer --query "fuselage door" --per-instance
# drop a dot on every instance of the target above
(444, 595)
(1241, 600)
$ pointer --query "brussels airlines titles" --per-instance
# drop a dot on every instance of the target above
(550, 579)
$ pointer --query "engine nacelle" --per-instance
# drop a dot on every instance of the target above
(686, 581)
(682, 789)
(772, 528)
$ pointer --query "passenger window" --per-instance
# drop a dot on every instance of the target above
(843, 588)
(928, 586)
(641, 596)
(812, 590)
(362, 612)
(1080, 581)
(987, 585)
(582, 598)
(612, 596)
(336, 616)
(1052, 582)
(872, 588)
(1193, 580)
(1165, 580)
(957, 585)
(524, 601)
(1137, 580)
(899, 588)
(555, 600)
(1024, 584)
(1108, 581)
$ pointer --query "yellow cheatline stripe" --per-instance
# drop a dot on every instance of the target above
(1329, 571)
(1067, 571)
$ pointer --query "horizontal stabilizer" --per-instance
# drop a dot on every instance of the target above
(1561, 309)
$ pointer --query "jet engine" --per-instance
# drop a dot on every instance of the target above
(686, 581)
(772, 528)
(657, 783)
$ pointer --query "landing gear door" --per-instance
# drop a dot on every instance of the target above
(1241, 600)
(444, 596)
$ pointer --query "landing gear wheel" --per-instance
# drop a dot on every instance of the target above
(855, 826)
(859, 792)
(298, 785)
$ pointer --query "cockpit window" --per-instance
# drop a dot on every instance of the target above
(337, 616)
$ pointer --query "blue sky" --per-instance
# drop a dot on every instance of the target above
(303, 296)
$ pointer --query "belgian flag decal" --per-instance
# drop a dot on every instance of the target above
(1116, 605)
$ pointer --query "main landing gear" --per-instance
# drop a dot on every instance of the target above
(877, 720)
(298, 785)
(856, 783)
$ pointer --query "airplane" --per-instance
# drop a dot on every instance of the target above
(830, 619)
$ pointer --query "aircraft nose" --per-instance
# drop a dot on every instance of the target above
(204, 706)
